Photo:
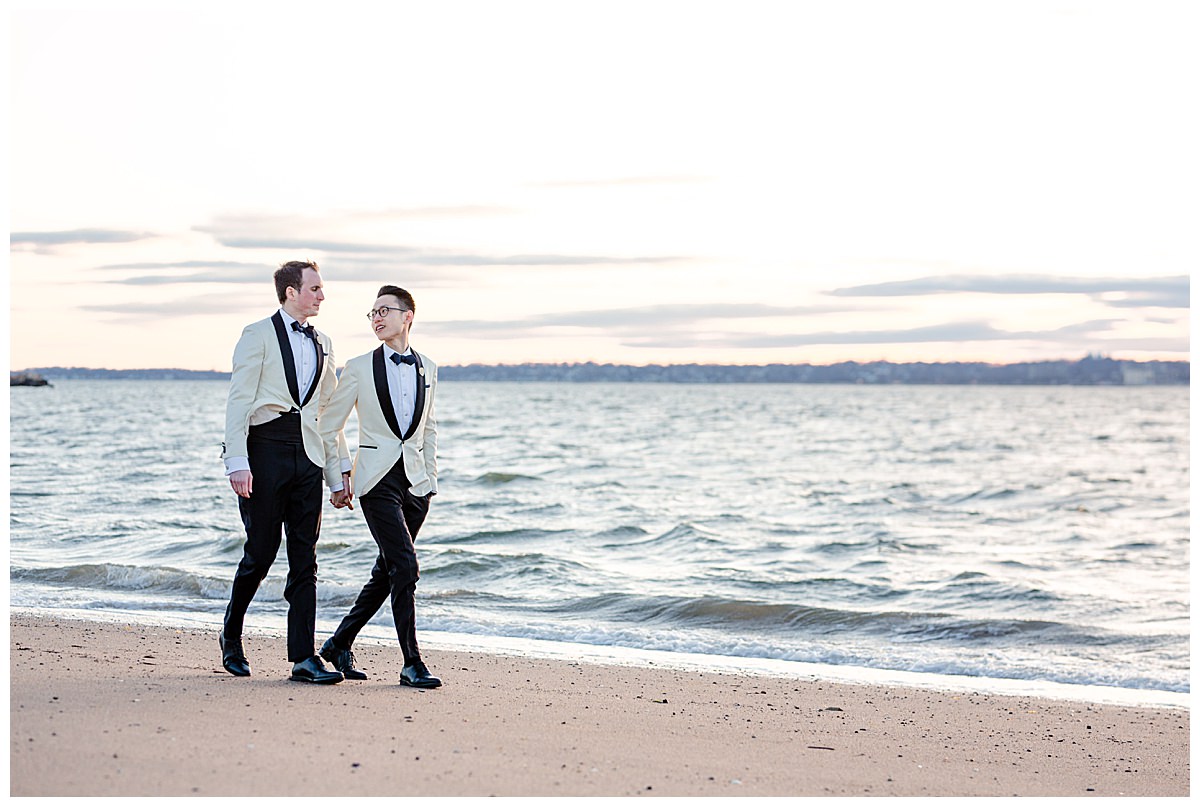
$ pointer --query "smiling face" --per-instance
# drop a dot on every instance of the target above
(306, 301)
(393, 326)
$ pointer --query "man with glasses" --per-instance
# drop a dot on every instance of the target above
(395, 470)
(274, 452)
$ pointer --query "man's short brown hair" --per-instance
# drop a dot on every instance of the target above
(291, 274)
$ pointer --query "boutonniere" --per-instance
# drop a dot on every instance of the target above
(421, 370)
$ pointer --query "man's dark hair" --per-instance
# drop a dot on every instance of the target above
(292, 274)
(400, 294)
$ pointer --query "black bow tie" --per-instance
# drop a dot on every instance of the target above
(307, 330)
(407, 358)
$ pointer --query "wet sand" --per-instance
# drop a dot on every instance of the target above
(131, 710)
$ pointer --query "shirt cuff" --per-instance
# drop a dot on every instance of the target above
(236, 464)
(347, 466)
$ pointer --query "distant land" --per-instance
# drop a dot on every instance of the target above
(1095, 370)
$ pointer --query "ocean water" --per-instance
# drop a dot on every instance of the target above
(1028, 534)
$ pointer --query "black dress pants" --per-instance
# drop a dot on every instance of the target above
(287, 494)
(394, 515)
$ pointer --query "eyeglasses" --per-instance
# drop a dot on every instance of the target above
(383, 311)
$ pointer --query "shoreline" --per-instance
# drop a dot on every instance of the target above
(550, 649)
(120, 708)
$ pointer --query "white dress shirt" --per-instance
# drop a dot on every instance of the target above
(402, 385)
(304, 353)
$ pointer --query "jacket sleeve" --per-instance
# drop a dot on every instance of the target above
(248, 357)
(333, 421)
(430, 449)
(334, 442)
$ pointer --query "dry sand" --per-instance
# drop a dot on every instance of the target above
(130, 710)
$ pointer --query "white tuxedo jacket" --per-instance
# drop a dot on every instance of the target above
(382, 441)
(263, 386)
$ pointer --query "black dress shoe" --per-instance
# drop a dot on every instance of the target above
(232, 657)
(417, 675)
(313, 670)
(341, 659)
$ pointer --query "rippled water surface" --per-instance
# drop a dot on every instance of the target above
(1036, 533)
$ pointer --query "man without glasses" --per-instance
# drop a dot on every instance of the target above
(274, 452)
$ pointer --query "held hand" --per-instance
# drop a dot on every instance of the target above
(348, 486)
(242, 483)
(340, 499)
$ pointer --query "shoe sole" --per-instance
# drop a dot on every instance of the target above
(404, 683)
(313, 680)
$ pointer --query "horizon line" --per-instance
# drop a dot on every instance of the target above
(1092, 356)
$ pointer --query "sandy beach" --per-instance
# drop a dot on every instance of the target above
(131, 710)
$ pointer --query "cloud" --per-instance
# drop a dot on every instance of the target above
(218, 272)
(433, 212)
(278, 233)
(1166, 292)
(263, 276)
(190, 306)
(692, 327)
(971, 331)
(412, 256)
(626, 321)
(1166, 299)
(307, 244)
(230, 224)
(1078, 329)
(45, 241)
(54, 237)
(187, 265)
(624, 181)
(341, 269)
(464, 259)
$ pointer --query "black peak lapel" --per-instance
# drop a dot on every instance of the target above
(289, 361)
(419, 406)
(381, 391)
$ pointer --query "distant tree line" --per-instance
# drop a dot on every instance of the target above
(1092, 370)
(154, 374)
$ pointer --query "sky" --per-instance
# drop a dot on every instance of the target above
(628, 182)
